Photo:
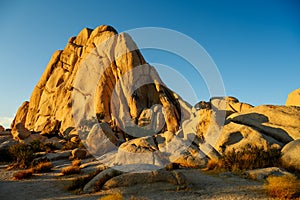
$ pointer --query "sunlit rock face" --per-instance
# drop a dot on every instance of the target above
(93, 66)
(293, 98)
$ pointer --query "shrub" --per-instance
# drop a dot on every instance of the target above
(49, 147)
(284, 187)
(23, 174)
(43, 167)
(214, 164)
(22, 154)
(250, 157)
(71, 145)
(37, 146)
(116, 196)
(70, 170)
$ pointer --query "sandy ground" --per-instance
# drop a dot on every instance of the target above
(201, 186)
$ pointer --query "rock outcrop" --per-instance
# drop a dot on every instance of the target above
(118, 66)
(279, 122)
(100, 90)
(293, 98)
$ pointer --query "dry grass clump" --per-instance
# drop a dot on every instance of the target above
(43, 167)
(284, 187)
(116, 196)
(250, 157)
(76, 162)
(23, 174)
(70, 170)
(215, 164)
(73, 145)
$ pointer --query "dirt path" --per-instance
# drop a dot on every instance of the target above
(201, 186)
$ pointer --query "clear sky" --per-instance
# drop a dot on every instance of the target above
(255, 44)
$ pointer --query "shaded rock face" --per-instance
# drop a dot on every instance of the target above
(293, 98)
(50, 109)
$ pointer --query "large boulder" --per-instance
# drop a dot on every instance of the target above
(19, 132)
(20, 115)
(140, 151)
(264, 173)
(6, 141)
(229, 104)
(293, 98)
(78, 153)
(279, 122)
(290, 157)
(100, 179)
(158, 151)
(237, 136)
(131, 179)
(96, 76)
(101, 139)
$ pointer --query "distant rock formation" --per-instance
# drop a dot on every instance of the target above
(293, 98)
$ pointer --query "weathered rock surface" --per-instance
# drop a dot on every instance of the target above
(101, 139)
(159, 151)
(57, 155)
(131, 179)
(293, 98)
(229, 104)
(21, 115)
(290, 155)
(279, 122)
(49, 110)
(100, 179)
(237, 136)
(19, 132)
(262, 174)
(78, 153)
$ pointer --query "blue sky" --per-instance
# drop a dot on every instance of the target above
(255, 44)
